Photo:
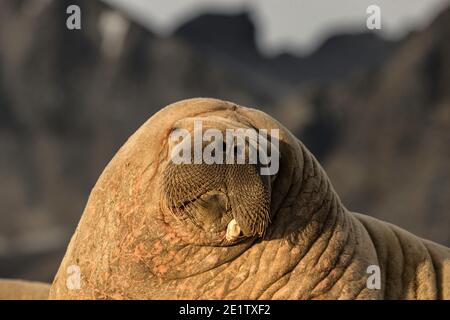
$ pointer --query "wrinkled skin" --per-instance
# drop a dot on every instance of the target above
(134, 243)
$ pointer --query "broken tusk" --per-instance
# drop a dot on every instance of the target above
(233, 230)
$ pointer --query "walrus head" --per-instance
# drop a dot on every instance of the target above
(157, 228)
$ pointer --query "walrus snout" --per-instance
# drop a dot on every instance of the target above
(217, 194)
(211, 196)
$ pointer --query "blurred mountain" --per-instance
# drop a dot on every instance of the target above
(375, 112)
(231, 39)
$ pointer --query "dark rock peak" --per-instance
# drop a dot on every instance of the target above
(352, 42)
(230, 33)
(232, 38)
(442, 21)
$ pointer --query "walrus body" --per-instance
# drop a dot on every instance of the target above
(152, 230)
(23, 290)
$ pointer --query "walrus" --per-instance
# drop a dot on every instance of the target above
(152, 229)
(23, 290)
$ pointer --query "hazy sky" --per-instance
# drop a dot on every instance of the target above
(295, 25)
